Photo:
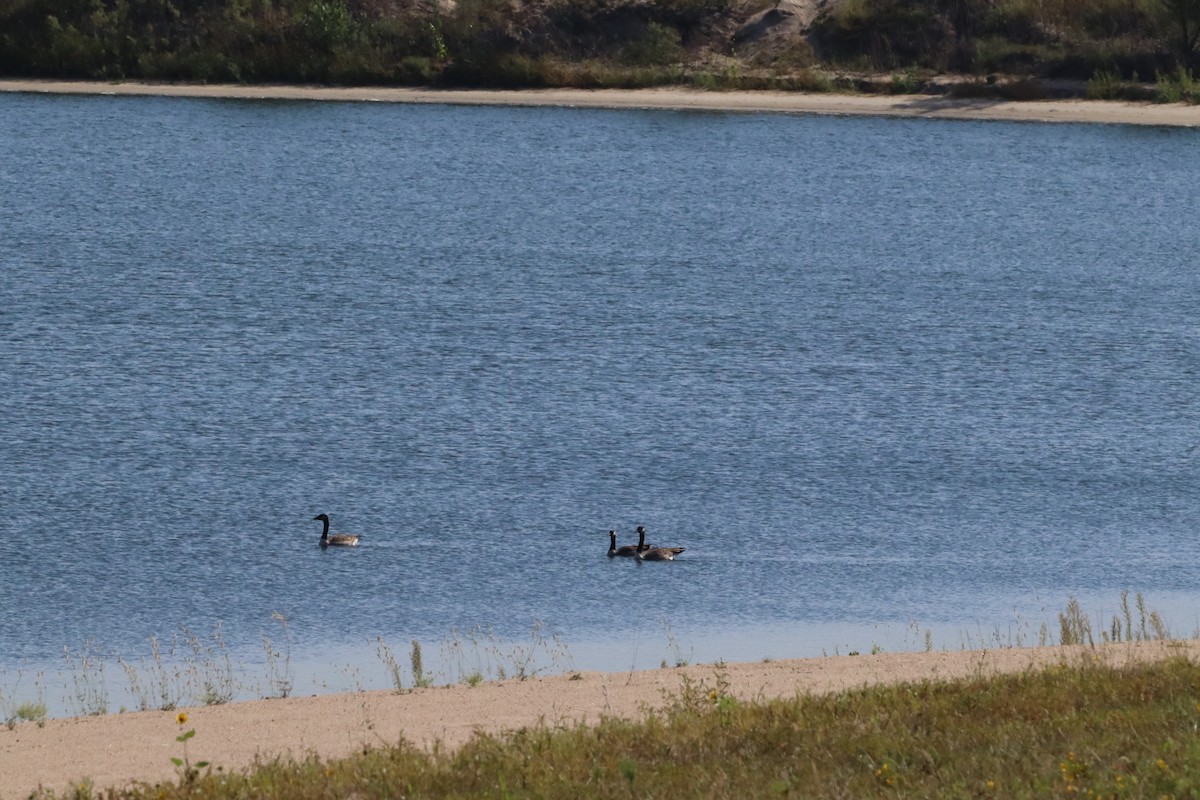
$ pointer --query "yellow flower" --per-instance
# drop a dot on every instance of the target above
(181, 718)
(1161, 765)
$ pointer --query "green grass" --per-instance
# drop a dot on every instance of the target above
(29, 711)
(1085, 729)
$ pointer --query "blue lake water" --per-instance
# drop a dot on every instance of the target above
(878, 377)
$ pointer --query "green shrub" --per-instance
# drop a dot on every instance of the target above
(997, 55)
(1103, 85)
(1109, 85)
(1178, 87)
(1019, 24)
(1184, 23)
(905, 82)
(416, 70)
(327, 24)
(886, 34)
(659, 44)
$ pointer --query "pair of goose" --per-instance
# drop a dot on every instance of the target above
(641, 551)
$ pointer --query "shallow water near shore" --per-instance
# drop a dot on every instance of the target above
(879, 377)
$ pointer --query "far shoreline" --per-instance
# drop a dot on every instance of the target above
(1108, 112)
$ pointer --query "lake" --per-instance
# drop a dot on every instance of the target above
(891, 383)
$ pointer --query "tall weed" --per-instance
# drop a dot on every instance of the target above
(1178, 87)
(86, 669)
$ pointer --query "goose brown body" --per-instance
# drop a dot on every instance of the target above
(659, 554)
(337, 539)
(651, 553)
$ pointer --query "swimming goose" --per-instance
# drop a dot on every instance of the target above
(650, 553)
(624, 550)
(338, 539)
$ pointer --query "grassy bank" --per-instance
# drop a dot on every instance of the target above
(1086, 729)
(1141, 49)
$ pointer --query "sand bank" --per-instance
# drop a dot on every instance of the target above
(933, 107)
(120, 748)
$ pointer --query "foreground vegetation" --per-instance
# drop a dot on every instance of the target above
(1119, 47)
(1081, 730)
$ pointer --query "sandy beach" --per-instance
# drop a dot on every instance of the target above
(928, 106)
(118, 749)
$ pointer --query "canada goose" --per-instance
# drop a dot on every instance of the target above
(627, 549)
(338, 539)
(650, 553)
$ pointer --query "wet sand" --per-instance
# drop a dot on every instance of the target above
(933, 107)
(117, 749)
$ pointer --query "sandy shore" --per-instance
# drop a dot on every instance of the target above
(934, 107)
(118, 749)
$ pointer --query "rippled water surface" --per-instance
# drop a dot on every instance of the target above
(877, 376)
